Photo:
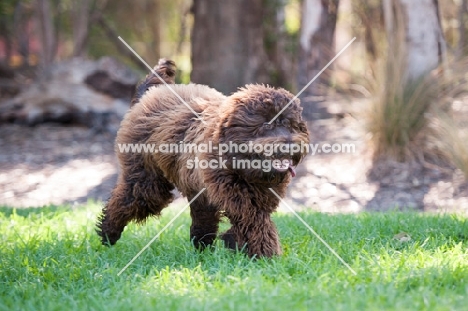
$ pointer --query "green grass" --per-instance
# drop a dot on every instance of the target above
(51, 259)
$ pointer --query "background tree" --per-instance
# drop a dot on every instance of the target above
(47, 32)
(404, 92)
(318, 23)
(462, 11)
(422, 34)
(6, 11)
(80, 16)
(237, 42)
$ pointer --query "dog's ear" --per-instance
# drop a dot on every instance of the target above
(238, 120)
(225, 120)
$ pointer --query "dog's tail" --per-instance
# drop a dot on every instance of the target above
(166, 69)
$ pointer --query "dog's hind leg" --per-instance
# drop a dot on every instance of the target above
(205, 220)
(138, 194)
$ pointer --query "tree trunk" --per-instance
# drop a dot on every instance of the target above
(425, 44)
(81, 14)
(461, 46)
(112, 35)
(20, 26)
(316, 50)
(280, 66)
(154, 47)
(6, 34)
(47, 33)
(228, 44)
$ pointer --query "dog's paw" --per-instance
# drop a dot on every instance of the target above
(229, 240)
(264, 251)
(108, 239)
(204, 241)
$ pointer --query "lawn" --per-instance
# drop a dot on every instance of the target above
(51, 259)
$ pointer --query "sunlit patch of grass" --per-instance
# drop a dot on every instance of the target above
(51, 259)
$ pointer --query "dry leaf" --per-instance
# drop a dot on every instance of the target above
(402, 237)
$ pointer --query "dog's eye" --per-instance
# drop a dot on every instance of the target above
(286, 123)
(267, 126)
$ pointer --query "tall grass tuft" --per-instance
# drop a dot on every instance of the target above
(408, 119)
(398, 117)
(453, 142)
(415, 118)
(398, 114)
(450, 117)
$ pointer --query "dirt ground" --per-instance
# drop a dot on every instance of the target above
(52, 164)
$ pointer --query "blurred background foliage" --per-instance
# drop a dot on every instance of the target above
(162, 28)
(285, 43)
(154, 28)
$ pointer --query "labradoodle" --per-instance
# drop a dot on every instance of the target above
(235, 181)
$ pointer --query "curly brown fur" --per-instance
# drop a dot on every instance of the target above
(166, 69)
(242, 195)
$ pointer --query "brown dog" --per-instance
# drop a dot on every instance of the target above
(240, 193)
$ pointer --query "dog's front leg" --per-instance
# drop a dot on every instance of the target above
(205, 220)
(262, 237)
(258, 234)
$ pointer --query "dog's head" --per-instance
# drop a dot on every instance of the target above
(267, 123)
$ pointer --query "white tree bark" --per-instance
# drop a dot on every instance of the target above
(312, 10)
(424, 38)
(317, 37)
